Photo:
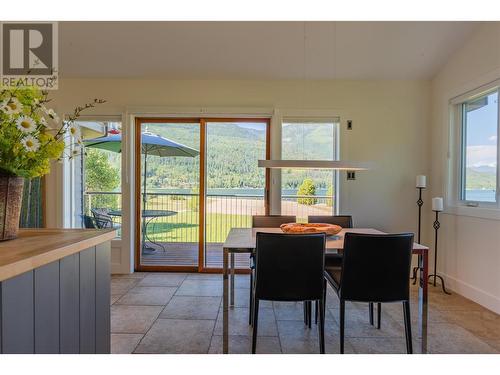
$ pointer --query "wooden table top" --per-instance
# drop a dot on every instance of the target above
(243, 239)
(37, 247)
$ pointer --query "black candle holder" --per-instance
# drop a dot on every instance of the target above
(434, 275)
(420, 203)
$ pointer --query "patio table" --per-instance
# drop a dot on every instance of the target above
(243, 240)
(148, 216)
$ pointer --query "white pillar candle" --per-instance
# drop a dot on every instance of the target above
(421, 181)
(437, 204)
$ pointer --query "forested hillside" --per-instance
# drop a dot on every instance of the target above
(232, 154)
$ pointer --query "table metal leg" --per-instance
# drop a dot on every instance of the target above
(232, 280)
(225, 304)
(146, 236)
(423, 299)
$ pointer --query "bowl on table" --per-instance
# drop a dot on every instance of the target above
(328, 229)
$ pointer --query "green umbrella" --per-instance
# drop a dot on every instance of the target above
(151, 144)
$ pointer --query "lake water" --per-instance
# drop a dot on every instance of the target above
(319, 192)
(480, 195)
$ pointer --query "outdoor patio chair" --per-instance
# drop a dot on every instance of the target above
(103, 219)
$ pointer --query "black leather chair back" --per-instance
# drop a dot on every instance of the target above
(345, 221)
(289, 267)
(89, 222)
(376, 267)
(271, 221)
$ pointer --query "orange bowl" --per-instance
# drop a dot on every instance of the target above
(329, 229)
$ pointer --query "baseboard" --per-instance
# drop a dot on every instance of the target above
(479, 296)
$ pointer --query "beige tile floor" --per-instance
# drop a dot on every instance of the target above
(181, 313)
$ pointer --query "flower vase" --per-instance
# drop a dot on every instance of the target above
(11, 194)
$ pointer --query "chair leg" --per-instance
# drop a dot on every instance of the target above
(370, 312)
(250, 302)
(316, 306)
(406, 313)
(379, 314)
(324, 297)
(342, 325)
(309, 313)
(305, 311)
(321, 327)
(255, 323)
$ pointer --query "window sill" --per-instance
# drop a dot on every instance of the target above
(492, 213)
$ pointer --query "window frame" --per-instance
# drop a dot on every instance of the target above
(336, 120)
(70, 210)
(460, 179)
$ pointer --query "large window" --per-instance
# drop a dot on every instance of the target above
(479, 149)
(309, 192)
(96, 177)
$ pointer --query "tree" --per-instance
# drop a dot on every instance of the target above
(100, 175)
(307, 188)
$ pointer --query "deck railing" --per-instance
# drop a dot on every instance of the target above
(221, 214)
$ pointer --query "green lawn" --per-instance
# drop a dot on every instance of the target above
(184, 227)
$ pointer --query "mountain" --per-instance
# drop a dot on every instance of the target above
(481, 178)
(488, 169)
(232, 154)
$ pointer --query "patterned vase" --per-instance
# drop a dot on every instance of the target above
(11, 193)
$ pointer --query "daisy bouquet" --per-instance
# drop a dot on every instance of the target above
(32, 135)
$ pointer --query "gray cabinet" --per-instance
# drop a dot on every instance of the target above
(62, 307)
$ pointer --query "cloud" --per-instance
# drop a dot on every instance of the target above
(483, 155)
(493, 138)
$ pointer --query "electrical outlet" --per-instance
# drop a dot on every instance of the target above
(349, 124)
(351, 175)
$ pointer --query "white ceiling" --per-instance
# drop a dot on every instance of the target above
(258, 50)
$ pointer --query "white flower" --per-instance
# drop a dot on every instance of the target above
(30, 143)
(51, 113)
(43, 121)
(26, 124)
(13, 106)
(74, 131)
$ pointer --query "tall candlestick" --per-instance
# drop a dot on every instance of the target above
(436, 226)
(420, 203)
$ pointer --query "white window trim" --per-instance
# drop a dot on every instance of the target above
(458, 206)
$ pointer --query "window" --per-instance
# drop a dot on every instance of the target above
(479, 149)
(96, 177)
(309, 192)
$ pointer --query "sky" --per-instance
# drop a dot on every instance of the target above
(482, 133)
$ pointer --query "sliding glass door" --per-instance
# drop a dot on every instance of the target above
(235, 186)
(195, 179)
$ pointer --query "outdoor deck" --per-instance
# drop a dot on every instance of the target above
(186, 254)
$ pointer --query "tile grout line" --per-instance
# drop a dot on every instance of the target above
(277, 329)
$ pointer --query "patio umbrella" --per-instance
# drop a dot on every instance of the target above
(152, 144)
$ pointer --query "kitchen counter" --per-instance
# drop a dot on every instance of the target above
(38, 247)
(55, 291)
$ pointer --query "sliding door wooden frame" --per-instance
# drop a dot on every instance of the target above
(202, 121)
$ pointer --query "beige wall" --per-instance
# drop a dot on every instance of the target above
(390, 121)
(469, 244)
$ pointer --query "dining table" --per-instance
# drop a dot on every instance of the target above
(243, 240)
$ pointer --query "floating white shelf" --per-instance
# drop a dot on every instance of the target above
(317, 164)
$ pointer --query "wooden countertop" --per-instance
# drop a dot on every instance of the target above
(37, 247)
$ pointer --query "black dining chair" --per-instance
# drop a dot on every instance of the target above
(333, 259)
(264, 221)
(375, 269)
(289, 267)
